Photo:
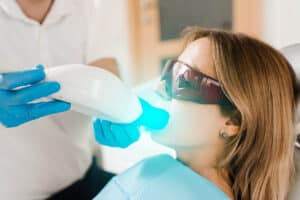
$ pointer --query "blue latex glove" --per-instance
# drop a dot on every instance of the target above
(19, 89)
(122, 135)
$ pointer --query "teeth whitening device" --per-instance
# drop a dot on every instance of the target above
(94, 92)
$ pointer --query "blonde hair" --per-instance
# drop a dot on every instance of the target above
(262, 86)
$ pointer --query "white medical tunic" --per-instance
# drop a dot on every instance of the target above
(45, 156)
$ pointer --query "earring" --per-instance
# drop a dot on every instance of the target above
(224, 135)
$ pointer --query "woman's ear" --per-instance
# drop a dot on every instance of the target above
(231, 127)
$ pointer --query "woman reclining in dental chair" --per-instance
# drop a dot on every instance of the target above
(232, 103)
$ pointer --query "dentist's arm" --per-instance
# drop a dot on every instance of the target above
(19, 89)
(110, 64)
(123, 135)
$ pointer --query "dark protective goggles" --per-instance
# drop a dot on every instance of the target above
(182, 82)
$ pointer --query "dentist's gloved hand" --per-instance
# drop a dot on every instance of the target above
(19, 89)
(123, 135)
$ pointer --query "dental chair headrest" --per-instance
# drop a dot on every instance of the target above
(292, 53)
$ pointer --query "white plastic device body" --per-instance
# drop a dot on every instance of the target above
(95, 92)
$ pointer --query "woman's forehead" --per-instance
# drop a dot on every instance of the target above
(199, 55)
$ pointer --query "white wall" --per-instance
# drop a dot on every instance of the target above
(281, 22)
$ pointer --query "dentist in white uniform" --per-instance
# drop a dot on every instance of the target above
(43, 157)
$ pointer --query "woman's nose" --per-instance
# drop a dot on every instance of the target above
(161, 90)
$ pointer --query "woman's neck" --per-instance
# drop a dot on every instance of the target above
(203, 161)
(36, 9)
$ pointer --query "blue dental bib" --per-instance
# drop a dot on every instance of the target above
(160, 178)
